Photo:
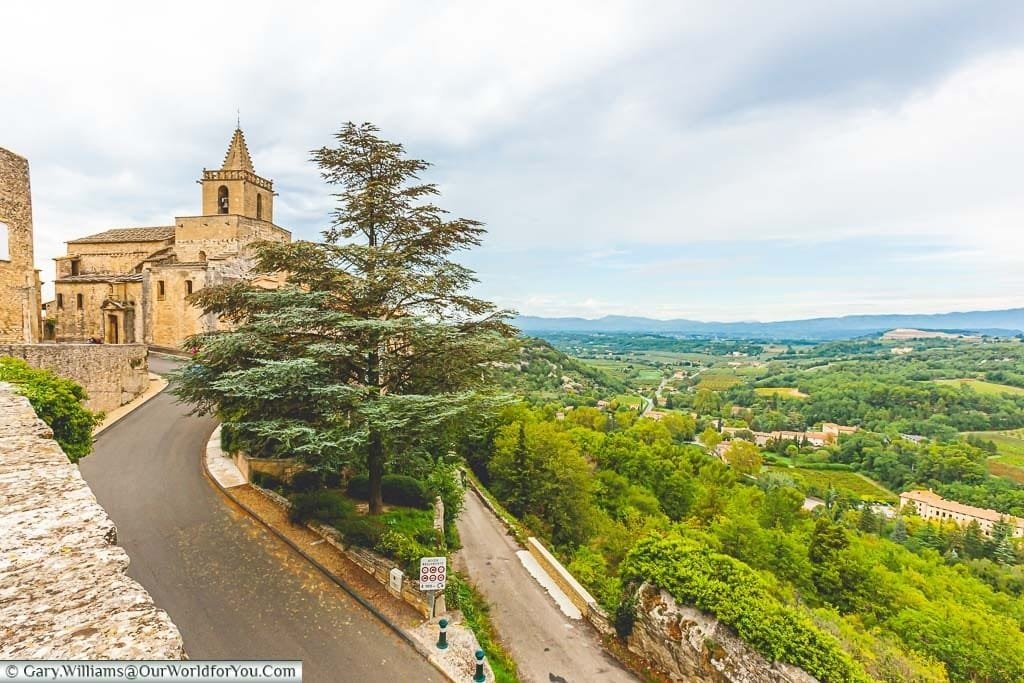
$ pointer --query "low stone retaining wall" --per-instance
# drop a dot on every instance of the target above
(572, 588)
(111, 374)
(281, 468)
(64, 594)
(373, 564)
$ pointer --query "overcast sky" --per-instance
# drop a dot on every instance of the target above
(711, 160)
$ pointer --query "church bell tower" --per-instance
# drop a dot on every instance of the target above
(235, 189)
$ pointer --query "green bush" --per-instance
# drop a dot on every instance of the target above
(267, 481)
(306, 481)
(327, 507)
(358, 487)
(58, 402)
(403, 549)
(397, 489)
(361, 531)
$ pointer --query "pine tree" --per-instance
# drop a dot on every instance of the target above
(868, 522)
(373, 347)
(521, 484)
(899, 531)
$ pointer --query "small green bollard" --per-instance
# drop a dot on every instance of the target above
(442, 638)
(479, 677)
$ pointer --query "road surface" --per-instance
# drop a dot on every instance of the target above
(234, 590)
(547, 645)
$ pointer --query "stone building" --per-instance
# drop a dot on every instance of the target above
(931, 506)
(19, 281)
(130, 284)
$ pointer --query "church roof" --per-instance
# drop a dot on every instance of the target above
(237, 158)
(155, 234)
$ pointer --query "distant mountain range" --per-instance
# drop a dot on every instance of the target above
(1007, 322)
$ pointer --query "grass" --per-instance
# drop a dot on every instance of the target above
(786, 392)
(408, 521)
(855, 483)
(630, 400)
(460, 594)
(983, 387)
(1009, 459)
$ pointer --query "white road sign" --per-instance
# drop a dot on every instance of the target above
(433, 573)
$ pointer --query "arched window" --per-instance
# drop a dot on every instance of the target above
(259, 207)
(222, 199)
(202, 257)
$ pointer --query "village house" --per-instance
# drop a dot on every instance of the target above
(130, 284)
(19, 280)
(932, 506)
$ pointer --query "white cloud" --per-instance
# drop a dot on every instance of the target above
(598, 126)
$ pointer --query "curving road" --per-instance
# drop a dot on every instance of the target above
(234, 590)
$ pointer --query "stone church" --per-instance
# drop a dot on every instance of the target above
(130, 284)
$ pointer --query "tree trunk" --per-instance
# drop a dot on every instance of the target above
(375, 464)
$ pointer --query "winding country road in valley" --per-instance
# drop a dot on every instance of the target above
(234, 590)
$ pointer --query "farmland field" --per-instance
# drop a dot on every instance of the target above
(786, 392)
(983, 387)
(857, 484)
(1009, 461)
(718, 380)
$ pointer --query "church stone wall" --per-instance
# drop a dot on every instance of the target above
(19, 284)
(111, 374)
(65, 593)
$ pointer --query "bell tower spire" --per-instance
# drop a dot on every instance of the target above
(236, 189)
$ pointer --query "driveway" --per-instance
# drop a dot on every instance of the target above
(234, 590)
(547, 645)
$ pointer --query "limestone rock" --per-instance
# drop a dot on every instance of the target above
(686, 644)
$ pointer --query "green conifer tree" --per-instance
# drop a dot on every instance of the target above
(373, 346)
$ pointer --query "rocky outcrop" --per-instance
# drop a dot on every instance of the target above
(686, 644)
(63, 589)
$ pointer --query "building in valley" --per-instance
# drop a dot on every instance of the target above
(932, 506)
(130, 284)
(19, 280)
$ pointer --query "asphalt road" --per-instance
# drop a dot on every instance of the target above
(546, 644)
(234, 590)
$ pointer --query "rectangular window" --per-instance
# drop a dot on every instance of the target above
(160, 289)
(60, 302)
(79, 301)
(188, 287)
(74, 267)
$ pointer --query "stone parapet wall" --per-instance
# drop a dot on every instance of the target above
(111, 374)
(64, 594)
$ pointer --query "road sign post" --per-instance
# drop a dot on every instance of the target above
(433, 577)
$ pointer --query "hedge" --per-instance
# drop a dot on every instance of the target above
(397, 489)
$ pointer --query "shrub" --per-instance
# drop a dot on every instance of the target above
(397, 489)
(267, 481)
(327, 507)
(306, 481)
(58, 402)
(332, 479)
(403, 550)
(358, 487)
(361, 531)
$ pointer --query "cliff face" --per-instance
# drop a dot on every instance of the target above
(686, 644)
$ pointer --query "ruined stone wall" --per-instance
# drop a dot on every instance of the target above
(65, 594)
(20, 306)
(112, 374)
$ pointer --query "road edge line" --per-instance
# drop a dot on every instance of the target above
(398, 630)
